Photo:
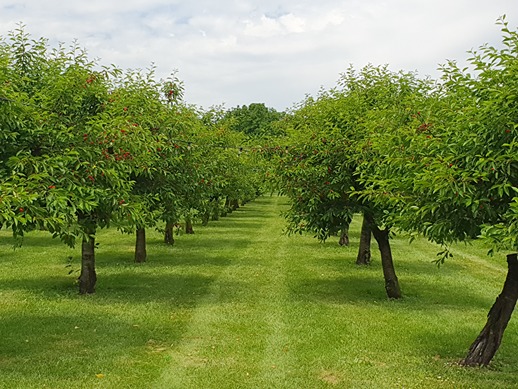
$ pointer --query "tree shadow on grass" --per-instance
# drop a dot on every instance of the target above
(48, 347)
(341, 290)
(439, 324)
(420, 279)
(118, 258)
(368, 287)
(447, 343)
(35, 334)
(254, 215)
(34, 238)
(244, 224)
(131, 287)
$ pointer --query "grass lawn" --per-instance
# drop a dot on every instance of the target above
(240, 305)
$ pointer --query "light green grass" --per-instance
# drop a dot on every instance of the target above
(240, 305)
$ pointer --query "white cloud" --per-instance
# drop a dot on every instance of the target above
(268, 27)
(242, 51)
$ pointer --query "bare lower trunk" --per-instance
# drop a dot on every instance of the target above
(88, 276)
(389, 273)
(216, 209)
(364, 252)
(169, 233)
(188, 226)
(234, 204)
(224, 208)
(228, 207)
(344, 237)
(205, 219)
(487, 343)
(140, 245)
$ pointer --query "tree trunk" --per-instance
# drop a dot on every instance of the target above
(228, 206)
(88, 276)
(234, 204)
(140, 245)
(344, 237)
(225, 208)
(205, 219)
(169, 233)
(216, 209)
(364, 252)
(487, 343)
(188, 226)
(389, 273)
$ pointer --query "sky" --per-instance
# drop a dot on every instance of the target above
(236, 52)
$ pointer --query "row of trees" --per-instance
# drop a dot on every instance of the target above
(86, 146)
(438, 158)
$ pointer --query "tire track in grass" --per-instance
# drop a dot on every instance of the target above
(238, 335)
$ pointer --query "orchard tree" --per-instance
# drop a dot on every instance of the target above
(178, 173)
(90, 146)
(235, 164)
(63, 169)
(147, 106)
(451, 173)
(331, 140)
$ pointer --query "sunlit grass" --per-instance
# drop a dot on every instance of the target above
(240, 305)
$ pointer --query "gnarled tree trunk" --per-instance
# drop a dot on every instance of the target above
(169, 233)
(487, 343)
(364, 252)
(389, 273)
(88, 276)
(140, 245)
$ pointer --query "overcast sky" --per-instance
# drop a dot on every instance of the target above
(237, 52)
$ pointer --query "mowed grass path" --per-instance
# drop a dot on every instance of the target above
(241, 305)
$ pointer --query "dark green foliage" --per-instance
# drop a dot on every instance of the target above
(255, 120)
